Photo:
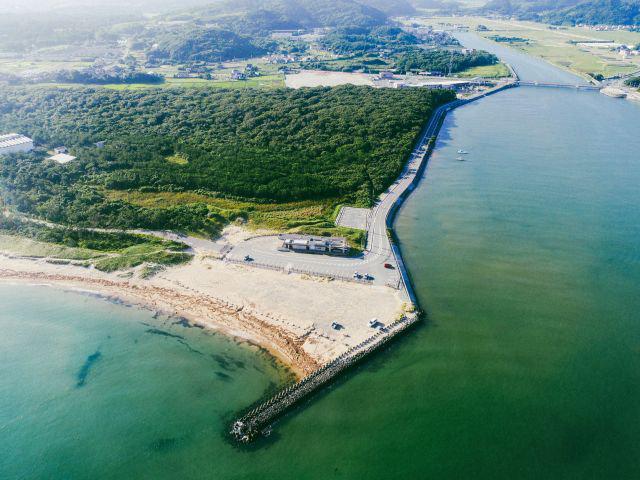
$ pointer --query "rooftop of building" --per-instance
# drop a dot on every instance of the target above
(13, 139)
(305, 239)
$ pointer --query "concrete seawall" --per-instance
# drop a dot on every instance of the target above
(251, 425)
(428, 138)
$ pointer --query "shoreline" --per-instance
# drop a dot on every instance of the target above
(288, 315)
(280, 346)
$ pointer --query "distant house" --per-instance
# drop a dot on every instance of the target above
(14, 142)
(238, 75)
(63, 149)
(100, 144)
(624, 52)
(386, 75)
(62, 158)
(251, 70)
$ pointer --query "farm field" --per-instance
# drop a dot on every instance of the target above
(498, 70)
(577, 49)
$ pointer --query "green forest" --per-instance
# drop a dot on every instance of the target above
(209, 45)
(572, 12)
(321, 144)
(349, 41)
(443, 61)
(633, 82)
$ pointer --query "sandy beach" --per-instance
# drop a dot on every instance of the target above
(290, 315)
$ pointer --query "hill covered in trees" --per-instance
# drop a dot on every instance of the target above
(200, 44)
(608, 12)
(363, 40)
(259, 16)
(589, 12)
(276, 146)
(443, 60)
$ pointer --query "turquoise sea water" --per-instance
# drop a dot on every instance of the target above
(95, 390)
(526, 257)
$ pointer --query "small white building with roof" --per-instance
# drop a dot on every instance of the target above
(315, 244)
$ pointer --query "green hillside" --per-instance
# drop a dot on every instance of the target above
(263, 146)
(588, 12)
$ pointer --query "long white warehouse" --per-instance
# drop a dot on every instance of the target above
(14, 142)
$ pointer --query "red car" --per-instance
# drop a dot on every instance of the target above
(389, 266)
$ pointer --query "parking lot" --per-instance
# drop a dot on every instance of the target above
(352, 217)
(267, 251)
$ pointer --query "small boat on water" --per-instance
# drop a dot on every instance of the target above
(463, 152)
(460, 159)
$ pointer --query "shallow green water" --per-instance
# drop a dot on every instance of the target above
(95, 390)
(527, 259)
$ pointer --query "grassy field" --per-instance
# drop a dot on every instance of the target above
(146, 253)
(499, 70)
(269, 75)
(270, 81)
(178, 159)
(15, 66)
(32, 248)
(310, 217)
(559, 46)
(357, 61)
(153, 253)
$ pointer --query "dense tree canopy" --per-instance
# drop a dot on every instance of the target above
(633, 82)
(597, 12)
(260, 16)
(590, 12)
(443, 60)
(210, 45)
(364, 40)
(278, 145)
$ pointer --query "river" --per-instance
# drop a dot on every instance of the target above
(526, 257)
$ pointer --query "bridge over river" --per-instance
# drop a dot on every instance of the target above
(558, 85)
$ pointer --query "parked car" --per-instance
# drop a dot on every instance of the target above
(389, 266)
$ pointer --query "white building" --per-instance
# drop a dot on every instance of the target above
(14, 142)
(312, 244)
